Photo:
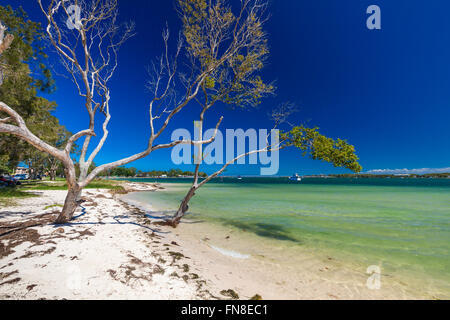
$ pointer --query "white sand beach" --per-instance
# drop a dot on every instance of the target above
(111, 252)
(114, 251)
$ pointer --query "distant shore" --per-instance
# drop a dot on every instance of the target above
(331, 176)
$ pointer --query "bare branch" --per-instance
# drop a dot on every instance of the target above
(23, 132)
(191, 142)
(5, 40)
(77, 136)
(275, 147)
(282, 113)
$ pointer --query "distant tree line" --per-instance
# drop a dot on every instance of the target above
(133, 172)
(435, 175)
(387, 176)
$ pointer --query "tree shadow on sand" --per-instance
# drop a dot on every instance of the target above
(265, 230)
(84, 211)
(117, 222)
(7, 214)
(167, 215)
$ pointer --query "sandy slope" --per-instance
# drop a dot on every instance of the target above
(111, 252)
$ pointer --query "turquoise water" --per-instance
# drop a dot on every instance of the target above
(401, 224)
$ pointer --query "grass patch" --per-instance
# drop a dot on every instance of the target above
(42, 186)
(62, 185)
(9, 195)
(118, 190)
(53, 206)
(103, 184)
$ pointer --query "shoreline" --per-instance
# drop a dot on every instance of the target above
(249, 266)
(118, 251)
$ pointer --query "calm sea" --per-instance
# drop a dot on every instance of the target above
(402, 225)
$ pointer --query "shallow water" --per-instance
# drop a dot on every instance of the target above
(401, 225)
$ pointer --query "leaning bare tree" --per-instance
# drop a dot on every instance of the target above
(273, 146)
(87, 37)
(308, 140)
(210, 27)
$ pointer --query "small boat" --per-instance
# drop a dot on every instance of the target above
(239, 178)
(295, 178)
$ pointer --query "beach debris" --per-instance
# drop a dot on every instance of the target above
(31, 287)
(230, 293)
(176, 255)
(3, 276)
(13, 281)
(18, 233)
(256, 297)
(157, 269)
(333, 296)
(162, 223)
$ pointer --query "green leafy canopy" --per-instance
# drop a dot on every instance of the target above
(24, 76)
(319, 147)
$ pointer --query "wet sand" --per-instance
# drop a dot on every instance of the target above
(251, 265)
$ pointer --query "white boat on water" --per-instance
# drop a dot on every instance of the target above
(295, 178)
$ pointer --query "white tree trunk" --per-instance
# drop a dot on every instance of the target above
(183, 209)
(70, 206)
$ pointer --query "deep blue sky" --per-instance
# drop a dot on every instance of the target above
(385, 91)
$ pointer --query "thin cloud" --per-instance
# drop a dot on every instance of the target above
(409, 171)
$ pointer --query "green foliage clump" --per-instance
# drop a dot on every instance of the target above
(118, 190)
(23, 67)
(319, 147)
(4, 164)
(230, 48)
(53, 206)
(24, 74)
(121, 172)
